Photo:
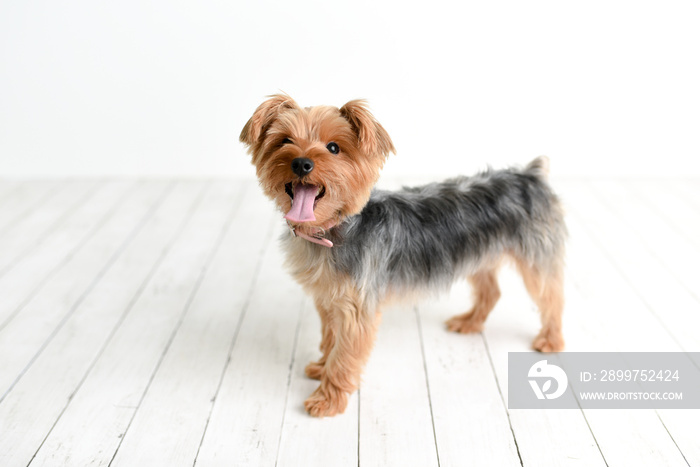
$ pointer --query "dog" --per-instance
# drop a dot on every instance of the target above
(354, 248)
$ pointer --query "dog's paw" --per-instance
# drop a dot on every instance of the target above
(326, 402)
(549, 342)
(314, 369)
(465, 324)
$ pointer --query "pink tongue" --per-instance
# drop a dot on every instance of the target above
(303, 204)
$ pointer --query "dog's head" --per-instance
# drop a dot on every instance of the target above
(318, 164)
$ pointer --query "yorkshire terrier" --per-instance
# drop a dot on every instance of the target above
(355, 248)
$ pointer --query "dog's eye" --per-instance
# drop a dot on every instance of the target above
(286, 141)
(333, 148)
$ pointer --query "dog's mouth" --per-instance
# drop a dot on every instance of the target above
(304, 199)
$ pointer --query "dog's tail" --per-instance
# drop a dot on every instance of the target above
(539, 166)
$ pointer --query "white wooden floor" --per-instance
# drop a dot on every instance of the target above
(149, 323)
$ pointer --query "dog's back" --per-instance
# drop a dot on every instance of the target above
(428, 235)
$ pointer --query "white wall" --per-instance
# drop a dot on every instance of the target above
(162, 88)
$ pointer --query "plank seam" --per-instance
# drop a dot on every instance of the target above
(594, 239)
(427, 380)
(656, 210)
(74, 207)
(127, 310)
(8, 194)
(81, 298)
(649, 249)
(289, 376)
(232, 345)
(49, 193)
(183, 314)
(69, 255)
(669, 434)
(500, 393)
(585, 419)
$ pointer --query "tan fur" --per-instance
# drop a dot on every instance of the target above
(486, 294)
(348, 329)
(364, 142)
(349, 323)
(547, 290)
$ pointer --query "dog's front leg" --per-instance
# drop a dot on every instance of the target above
(314, 369)
(353, 328)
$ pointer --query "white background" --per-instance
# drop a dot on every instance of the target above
(163, 88)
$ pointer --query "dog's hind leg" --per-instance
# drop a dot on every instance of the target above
(486, 294)
(546, 287)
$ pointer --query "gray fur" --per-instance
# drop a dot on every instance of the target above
(425, 238)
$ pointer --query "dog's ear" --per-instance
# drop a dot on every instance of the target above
(255, 129)
(373, 138)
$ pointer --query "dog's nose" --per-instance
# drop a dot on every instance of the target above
(302, 166)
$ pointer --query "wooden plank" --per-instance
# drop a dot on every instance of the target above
(464, 390)
(246, 420)
(28, 196)
(29, 411)
(544, 437)
(609, 296)
(395, 420)
(8, 189)
(674, 311)
(688, 189)
(634, 437)
(38, 265)
(665, 301)
(90, 429)
(682, 425)
(191, 371)
(40, 222)
(307, 440)
(22, 337)
(669, 204)
(678, 255)
(606, 292)
(39, 398)
(595, 314)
